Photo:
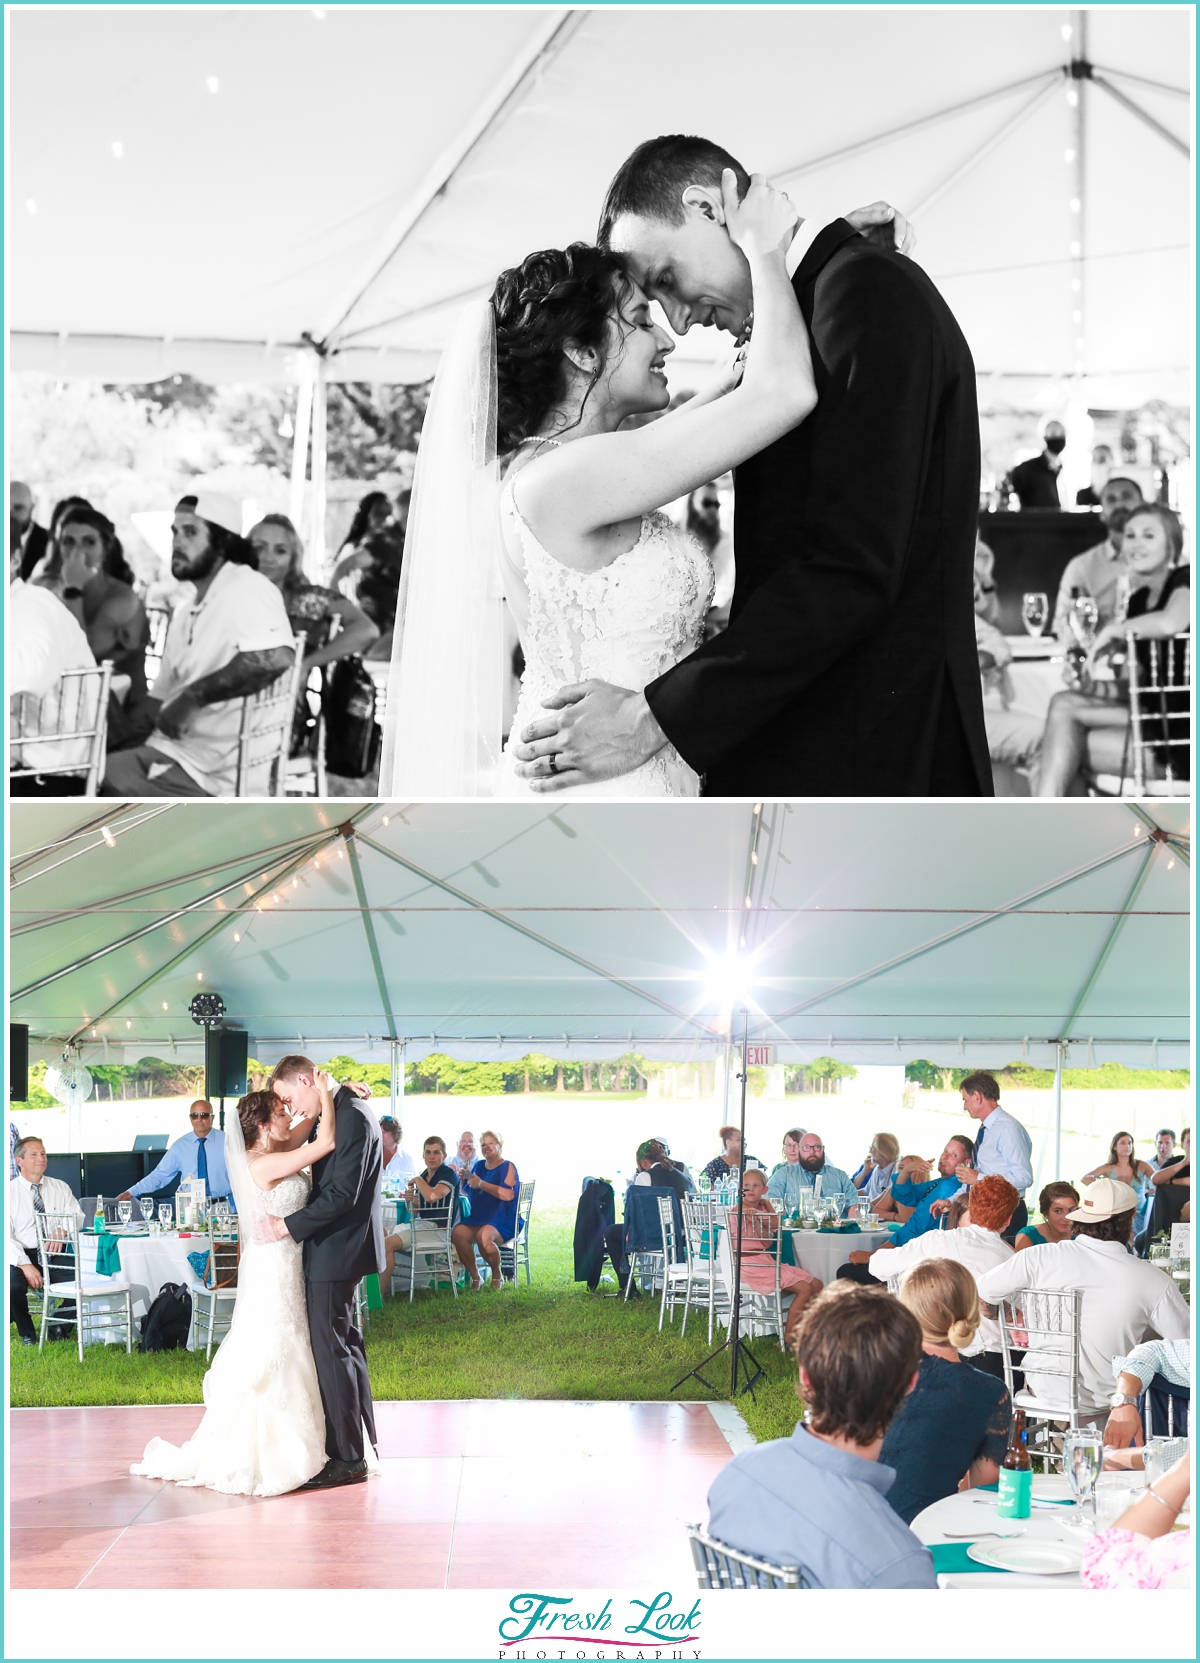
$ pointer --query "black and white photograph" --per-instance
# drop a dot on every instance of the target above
(600, 914)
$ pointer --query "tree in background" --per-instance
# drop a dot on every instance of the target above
(932, 1078)
(818, 1075)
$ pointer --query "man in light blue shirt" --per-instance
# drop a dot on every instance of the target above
(818, 1499)
(793, 1180)
(1003, 1147)
(199, 1153)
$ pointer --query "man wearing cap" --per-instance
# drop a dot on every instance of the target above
(1125, 1300)
(232, 639)
(1003, 1149)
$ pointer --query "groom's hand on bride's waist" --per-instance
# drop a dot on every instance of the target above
(591, 731)
(271, 1228)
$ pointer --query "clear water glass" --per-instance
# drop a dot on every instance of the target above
(1035, 612)
(1083, 1456)
(166, 1214)
(146, 1207)
(125, 1211)
(1084, 618)
(1160, 1455)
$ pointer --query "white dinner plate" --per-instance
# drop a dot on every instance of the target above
(1052, 1486)
(1033, 1557)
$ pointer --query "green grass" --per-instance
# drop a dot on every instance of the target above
(553, 1340)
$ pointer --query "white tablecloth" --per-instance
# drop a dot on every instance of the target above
(822, 1255)
(977, 1510)
(148, 1262)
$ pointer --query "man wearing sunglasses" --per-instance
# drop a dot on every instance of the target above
(199, 1153)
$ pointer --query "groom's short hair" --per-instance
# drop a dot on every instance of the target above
(651, 182)
(287, 1068)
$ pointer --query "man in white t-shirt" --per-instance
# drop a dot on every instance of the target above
(977, 1243)
(232, 639)
(1125, 1300)
(397, 1162)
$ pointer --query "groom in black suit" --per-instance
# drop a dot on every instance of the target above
(342, 1231)
(849, 666)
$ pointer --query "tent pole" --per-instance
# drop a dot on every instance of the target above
(1058, 1079)
(1143, 115)
(315, 559)
(984, 150)
(1080, 70)
(303, 424)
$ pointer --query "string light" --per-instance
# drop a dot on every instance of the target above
(129, 1024)
(117, 148)
(199, 975)
(165, 1005)
(387, 819)
(1171, 863)
(106, 834)
(1066, 31)
(213, 84)
(236, 936)
(30, 207)
(754, 857)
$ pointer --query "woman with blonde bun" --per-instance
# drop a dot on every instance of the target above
(952, 1429)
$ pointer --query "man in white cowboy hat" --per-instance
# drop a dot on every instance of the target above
(1125, 1299)
(233, 638)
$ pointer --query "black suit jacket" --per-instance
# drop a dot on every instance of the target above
(849, 666)
(35, 547)
(342, 1225)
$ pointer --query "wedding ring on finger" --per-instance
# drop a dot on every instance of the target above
(552, 763)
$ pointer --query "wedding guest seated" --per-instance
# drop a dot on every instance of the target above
(651, 1167)
(370, 562)
(1164, 1155)
(465, 1156)
(398, 1164)
(29, 1193)
(920, 1194)
(199, 1153)
(491, 1188)
(887, 1207)
(819, 1498)
(332, 626)
(1172, 1189)
(1099, 571)
(1123, 1164)
(1056, 1203)
(664, 1149)
(811, 1175)
(1142, 1548)
(725, 1167)
(1125, 1300)
(874, 1177)
(791, 1149)
(987, 601)
(233, 639)
(760, 1226)
(976, 1242)
(952, 1430)
(1088, 727)
(44, 641)
(431, 1197)
(1161, 1363)
(1014, 736)
(28, 541)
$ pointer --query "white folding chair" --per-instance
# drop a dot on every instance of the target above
(69, 725)
(676, 1271)
(516, 1252)
(1046, 1328)
(64, 1279)
(1160, 680)
(431, 1242)
(265, 731)
(759, 1313)
(212, 1305)
(705, 1290)
(158, 621)
(720, 1566)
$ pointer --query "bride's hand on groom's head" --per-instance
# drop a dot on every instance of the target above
(764, 220)
(879, 214)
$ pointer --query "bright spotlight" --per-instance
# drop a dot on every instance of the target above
(727, 982)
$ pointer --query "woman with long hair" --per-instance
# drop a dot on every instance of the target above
(1056, 1203)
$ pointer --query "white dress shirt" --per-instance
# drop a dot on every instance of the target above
(44, 639)
(979, 1249)
(1003, 1150)
(400, 1166)
(57, 1197)
(1125, 1301)
(806, 235)
(183, 1158)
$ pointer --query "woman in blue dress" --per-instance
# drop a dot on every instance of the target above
(491, 1185)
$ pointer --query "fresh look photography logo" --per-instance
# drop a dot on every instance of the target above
(557, 1626)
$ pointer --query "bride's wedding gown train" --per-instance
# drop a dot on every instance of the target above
(625, 624)
(263, 1431)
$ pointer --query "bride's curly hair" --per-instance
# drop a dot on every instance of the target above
(554, 296)
(254, 1112)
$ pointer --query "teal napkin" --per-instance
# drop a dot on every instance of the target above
(108, 1255)
(953, 1556)
(1049, 1501)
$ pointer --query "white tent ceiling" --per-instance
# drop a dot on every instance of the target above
(974, 933)
(198, 189)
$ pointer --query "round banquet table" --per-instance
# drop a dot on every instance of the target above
(977, 1510)
(149, 1262)
(822, 1254)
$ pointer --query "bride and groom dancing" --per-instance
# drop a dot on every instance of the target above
(849, 665)
(287, 1401)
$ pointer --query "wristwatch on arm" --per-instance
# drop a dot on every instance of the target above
(1119, 1399)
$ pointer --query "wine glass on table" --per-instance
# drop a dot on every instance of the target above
(1083, 1456)
(1035, 612)
(165, 1215)
(125, 1211)
(146, 1207)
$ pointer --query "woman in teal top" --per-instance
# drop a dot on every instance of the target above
(1123, 1165)
(1054, 1203)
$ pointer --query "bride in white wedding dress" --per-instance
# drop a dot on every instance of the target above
(537, 386)
(263, 1431)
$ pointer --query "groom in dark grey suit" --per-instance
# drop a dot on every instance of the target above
(342, 1231)
(849, 667)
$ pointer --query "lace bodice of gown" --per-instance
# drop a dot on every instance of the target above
(289, 1195)
(625, 624)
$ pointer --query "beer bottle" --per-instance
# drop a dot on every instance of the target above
(1016, 1473)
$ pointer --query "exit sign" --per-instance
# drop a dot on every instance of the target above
(760, 1056)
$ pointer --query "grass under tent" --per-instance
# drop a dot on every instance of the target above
(552, 1340)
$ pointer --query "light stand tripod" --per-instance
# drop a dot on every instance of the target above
(741, 1358)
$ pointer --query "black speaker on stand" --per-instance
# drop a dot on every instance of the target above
(18, 1062)
(225, 1054)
